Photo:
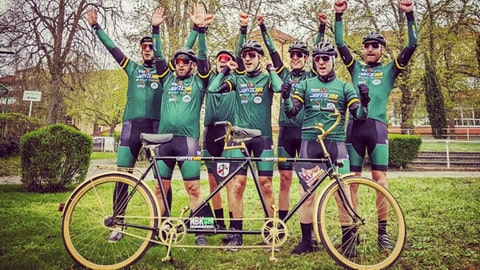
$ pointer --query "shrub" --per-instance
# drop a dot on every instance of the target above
(403, 149)
(54, 157)
(12, 127)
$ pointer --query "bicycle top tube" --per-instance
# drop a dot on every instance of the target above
(263, 159)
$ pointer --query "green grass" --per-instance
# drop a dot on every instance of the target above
(456, 146)
(103, 155)
(442, 217)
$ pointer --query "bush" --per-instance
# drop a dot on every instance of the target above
(12, 127)
(54, 157)
(403, 149)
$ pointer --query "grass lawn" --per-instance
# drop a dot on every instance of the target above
(442, 217)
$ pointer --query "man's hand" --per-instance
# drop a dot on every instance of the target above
(405, 5)
(340, 6)
(269, 66)
(200, 16)
(364, 97)
(286, 90)
(260, 19)
(232, 65)
(158, 16)
(91, 16)
(322, 18)
(243, 18)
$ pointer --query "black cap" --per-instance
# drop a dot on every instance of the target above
(146, 39)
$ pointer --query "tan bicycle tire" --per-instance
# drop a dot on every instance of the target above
(83, 224)
(370, 256)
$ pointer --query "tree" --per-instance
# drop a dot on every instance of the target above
(101, 101)
(50, 36)
(434, 98)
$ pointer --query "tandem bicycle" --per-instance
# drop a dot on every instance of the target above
(89, 217)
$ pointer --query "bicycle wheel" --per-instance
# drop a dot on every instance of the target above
(87, 222)
(369, 254)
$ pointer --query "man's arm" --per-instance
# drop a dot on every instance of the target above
(340, 7)
(243, 19)
(277, 61)
(92, 19)
(406, 54)
(160, 62)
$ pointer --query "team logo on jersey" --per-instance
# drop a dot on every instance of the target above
(257, 100)
(376, 82)
(154, 85)
(187, 98)
(223, 169)
(141, 85)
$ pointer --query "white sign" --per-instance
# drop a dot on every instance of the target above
(32, 95)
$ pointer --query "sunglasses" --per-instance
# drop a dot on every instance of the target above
(375, 45)
(224, 58)
(250, 54)
(147, 45)
(296, 54)
(182, 61)
(325, 58)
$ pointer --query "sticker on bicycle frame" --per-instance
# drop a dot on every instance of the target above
(223, 169)
(202, 223)
(308, 174)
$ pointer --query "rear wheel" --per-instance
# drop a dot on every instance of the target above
(371, 197)
(88, 221)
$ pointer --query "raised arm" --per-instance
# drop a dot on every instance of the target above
(92, 18)
(322, 19)
(277, 61)
(243, 20)
(406, 54)
(340, 7)
(157, 19)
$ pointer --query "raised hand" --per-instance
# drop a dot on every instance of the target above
(243, 18)
(232, 65)
(322, 18)
(405, 5)
(198, 16)
(91, 16)
(260, 19)
(158, 16)
(340, 6)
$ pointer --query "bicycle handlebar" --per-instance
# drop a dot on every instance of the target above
(334, 112)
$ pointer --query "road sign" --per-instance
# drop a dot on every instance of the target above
(32, 95)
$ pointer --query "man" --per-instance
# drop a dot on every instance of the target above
(218, 107)
(289, 137)
(254, 93)
(181, 103)
(323, 91)
(371, 134)
(142, 111)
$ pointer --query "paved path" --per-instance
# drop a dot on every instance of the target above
(98, 166)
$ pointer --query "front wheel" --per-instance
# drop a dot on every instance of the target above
(89, 220)
(372, 203)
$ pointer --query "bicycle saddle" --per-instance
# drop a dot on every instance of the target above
(150, 138)
(244, 134)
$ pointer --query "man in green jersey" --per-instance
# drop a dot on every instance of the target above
(312, 95)
(182, 98)
(218, 107)
(142, 111)
(289, 137)
(371, 135)
(254, 95)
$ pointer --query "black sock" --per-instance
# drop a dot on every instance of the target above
(219, 216)
(306, 232)
(382, 227)
(282, 214)
(169, 199)
(237, 224)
